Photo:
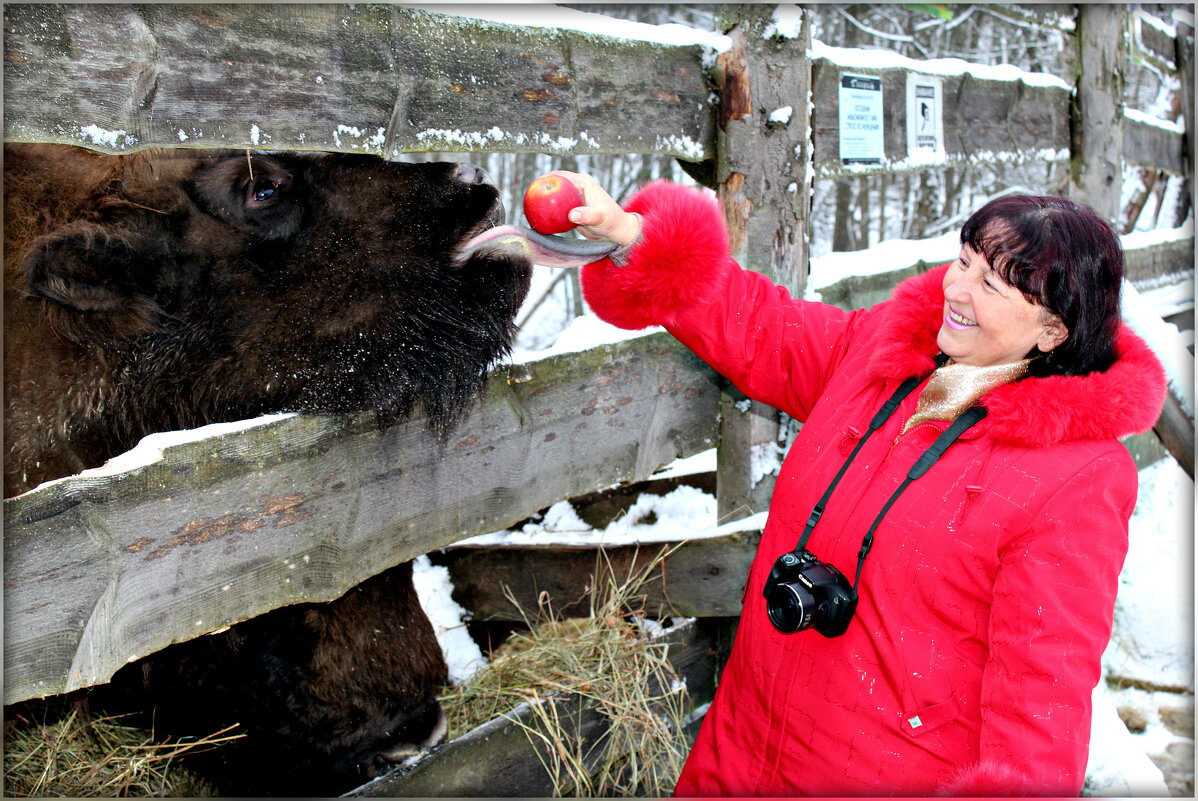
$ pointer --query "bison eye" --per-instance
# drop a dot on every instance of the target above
(264, 189)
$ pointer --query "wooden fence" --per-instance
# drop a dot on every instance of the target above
(106, 567)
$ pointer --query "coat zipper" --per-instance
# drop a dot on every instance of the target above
(940, 429)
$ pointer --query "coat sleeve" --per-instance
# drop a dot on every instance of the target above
(774, 348)
(1050, 622)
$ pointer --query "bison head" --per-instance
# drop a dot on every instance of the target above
(169, 289)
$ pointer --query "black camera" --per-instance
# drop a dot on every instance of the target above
(802, 592)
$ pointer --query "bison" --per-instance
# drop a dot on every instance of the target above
(166, 289)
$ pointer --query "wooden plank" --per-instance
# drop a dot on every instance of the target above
(1147, 145)
(100, 570)
(1175, 429)
(1150, 41)
(497, 759)
(1165, 260)
(699, 578)
(382, 79)
(984, 119)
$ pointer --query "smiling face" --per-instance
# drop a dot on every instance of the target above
(987, 321)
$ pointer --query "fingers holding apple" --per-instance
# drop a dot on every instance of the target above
(599, 217)
(548, 201)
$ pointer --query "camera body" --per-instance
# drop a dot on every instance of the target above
(802, 592)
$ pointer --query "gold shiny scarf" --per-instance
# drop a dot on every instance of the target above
(954, 387)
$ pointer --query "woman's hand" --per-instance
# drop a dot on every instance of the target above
(601, 217)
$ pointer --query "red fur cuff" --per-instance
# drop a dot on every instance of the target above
(674, 264)
(986, 779)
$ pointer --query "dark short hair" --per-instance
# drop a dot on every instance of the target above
(1063, 256)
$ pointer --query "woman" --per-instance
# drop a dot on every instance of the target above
(986, 600)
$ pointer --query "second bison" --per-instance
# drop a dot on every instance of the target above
(168, 289)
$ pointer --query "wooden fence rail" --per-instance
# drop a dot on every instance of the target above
(389, 80)
(373, 78)
(103, 569)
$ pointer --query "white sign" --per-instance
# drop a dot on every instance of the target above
(925, 117)
(861, 119)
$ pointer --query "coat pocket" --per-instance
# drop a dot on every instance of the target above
(940, 728)
(930, 718)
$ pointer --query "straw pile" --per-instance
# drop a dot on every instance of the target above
(606, 660)
(103, 758)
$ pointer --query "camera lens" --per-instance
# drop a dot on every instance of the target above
(789, 607)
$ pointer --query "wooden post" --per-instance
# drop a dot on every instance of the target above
(1096, 169)
(763, 145)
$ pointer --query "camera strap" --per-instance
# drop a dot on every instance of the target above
(929, 457)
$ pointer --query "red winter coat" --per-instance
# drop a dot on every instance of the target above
(987, 600)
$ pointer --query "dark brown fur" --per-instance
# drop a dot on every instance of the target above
(153, 291)
(169, 289)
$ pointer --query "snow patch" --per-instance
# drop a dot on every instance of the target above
(1148, 119)
(781, 115)
(893, 254)
(102, 136)
(1147, 645)
(550, 16)
(860, 58)
(684, 513)
(152, 446)
(1118, 766)
(583, 333)
(787, 22)
(435, 591)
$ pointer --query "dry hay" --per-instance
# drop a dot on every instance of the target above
(104, 758)
(606, 660)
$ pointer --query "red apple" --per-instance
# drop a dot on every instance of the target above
(547, 204)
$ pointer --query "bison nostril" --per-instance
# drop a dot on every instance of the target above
(473, 174)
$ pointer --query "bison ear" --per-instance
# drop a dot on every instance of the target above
(91, 277)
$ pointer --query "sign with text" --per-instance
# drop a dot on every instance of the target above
(925, 117)
(861, 119)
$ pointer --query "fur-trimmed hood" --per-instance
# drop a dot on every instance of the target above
(1124, 400)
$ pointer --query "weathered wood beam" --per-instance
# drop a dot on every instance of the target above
(1175, 429)
(698, 578)
(1151, 42)
(1147, 145)
(382, 79)
(1184, 48)
(100, 570)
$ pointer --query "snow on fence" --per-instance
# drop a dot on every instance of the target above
(113, 564)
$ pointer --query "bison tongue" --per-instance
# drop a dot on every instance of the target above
(549, 251)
